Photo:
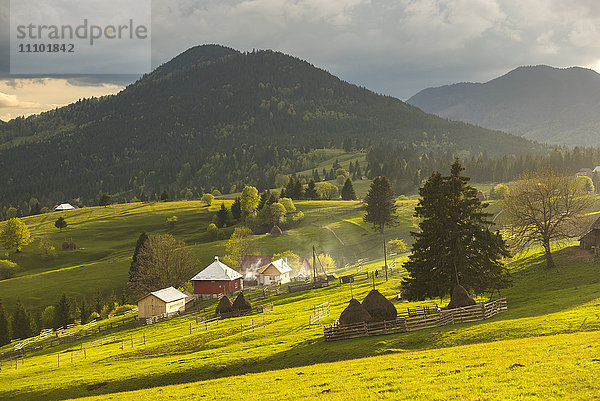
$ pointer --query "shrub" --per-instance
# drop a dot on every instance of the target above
(213, 231)
(93, 316)
(119, 310)
(8, 269)
(207, 199)
(48, 317)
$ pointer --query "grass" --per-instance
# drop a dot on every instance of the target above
(542, 305)
(106, 239)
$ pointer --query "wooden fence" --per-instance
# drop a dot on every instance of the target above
(319, 312)
(11, 363)
(132, 341)
(405, 324)
(254, 324)
(71, 356)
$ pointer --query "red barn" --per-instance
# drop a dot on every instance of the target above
(216, 279)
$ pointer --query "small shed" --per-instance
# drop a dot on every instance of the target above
(64, 206)
(165, 301)
(217, 278)
(276, 272)
(591, 240)
(276, 231)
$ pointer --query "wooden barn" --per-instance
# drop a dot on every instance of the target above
(276, 272)
(217, 278)
(591, 240)
(165, 301)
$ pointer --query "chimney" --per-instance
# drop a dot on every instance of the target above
(216, 258)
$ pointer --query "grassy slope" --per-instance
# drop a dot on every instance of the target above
(541, 303)
(106, 238)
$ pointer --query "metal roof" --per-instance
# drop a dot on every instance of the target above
(167, 295)
(217, 271)
(65, 206)
(280, 264)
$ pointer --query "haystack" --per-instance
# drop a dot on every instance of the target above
(354, 313)
(224, 306)
(276, 231)
(241, 303)
(460, 297)
(379, 307)
(65, 246)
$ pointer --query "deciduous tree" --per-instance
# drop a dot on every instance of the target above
(15, 234)
(60, 223)
(238, 246)
(543, 207)
(249, 201)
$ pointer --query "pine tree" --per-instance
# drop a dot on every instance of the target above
(222, 216)
(63, 312)
(98, 301)
(133, 268)
(21, 322)
(164, 196)
(84, 312)
(298, 189)
(454, 245)
(311, 192)
(236, 209)
(4, 327)
(348, 190)
(380, 204)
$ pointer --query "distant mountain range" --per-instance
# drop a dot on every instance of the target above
(215, 118)
(545, 104)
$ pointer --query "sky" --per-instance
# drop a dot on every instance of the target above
(394, 47)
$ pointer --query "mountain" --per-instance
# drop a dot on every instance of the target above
(215, 118)
(545, 104)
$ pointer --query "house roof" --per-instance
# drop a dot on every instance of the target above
(65, 206)
(252, 263)
(169, 294)
(217, 271)
(596, 169)
(279, 264)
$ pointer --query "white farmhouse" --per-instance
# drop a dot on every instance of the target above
(276, 272)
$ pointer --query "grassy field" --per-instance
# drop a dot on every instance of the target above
(106, 239)
(467, 361)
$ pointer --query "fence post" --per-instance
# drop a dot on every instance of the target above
(58, 355)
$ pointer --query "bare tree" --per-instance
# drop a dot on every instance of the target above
(543, 207)
(162, 262)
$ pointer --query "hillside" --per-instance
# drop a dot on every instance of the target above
(214, 118)
(544, 345)
(541, 103)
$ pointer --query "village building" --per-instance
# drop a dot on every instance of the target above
(64, 206)
(276, 272)
(216, 279)
(166, 301)
(591, 240)
(584, 172)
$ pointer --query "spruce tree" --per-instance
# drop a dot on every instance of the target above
(4, 327)
(21, 322)
(236, 209)
(84, 312)
(298, 189)
(380, 204)
(222, 216)
(454, 245)
(62, 312)
(311, 192)
(133, 268)
(348, 190)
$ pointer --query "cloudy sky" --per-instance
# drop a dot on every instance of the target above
(396, 47)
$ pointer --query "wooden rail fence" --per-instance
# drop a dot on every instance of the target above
(319, 312)
(71, 356)
(254, 324)
(405, 324)
(11, 363)
(132, 341)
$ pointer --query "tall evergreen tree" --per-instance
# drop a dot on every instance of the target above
(222, 216)
(380, 204)
(21, 322)
(4, 327)
(311, 191)
(84, 312)
(454, 245)
(298, 189)
(133, 268)
(62, 312)
(348, 190)
(236, 209)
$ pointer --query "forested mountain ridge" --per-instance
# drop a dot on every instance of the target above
(214, 118)
(542, 103)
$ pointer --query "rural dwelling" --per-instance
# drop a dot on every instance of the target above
(276, 272)
(165, 301)
(591, 240)
(216, 279)
(584, 172)
(64, 206)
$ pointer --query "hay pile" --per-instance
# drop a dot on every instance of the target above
(460, 297)
(241, 303)
(276, 231)
(379, 307)
(354, 313)
(225, 306)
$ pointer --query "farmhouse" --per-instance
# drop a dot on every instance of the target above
(591, 240)
(276, 272)
(216, 279)
(165, 301)
(64, 206)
